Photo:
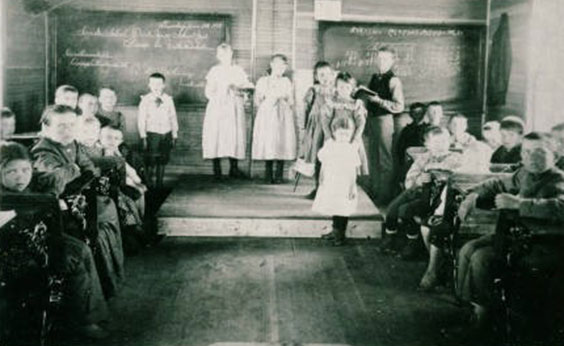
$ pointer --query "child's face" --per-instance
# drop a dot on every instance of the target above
(61, 128)
(435, 115)
(278, 67)
(437, 144)
(8, 127)
(536, 157)
(88, 105)
(107, 99)
(344, 89)
(384, 61)
(16, 175)
(417, 114)
(88, 133)
(68, 98)
(509, 138)
(156, 85)
(110, 138)
(325, 75)
(492, 136)
(457, 127)
(225, 56)
(342, 135)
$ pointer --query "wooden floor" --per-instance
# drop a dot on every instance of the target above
(200, 206)
(248, 291)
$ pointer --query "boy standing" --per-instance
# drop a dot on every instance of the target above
(413, 202)
(158, 127)
(382, 107)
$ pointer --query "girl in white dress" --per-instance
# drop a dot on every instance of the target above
(274, 133)
(224, 129)
(337, 193)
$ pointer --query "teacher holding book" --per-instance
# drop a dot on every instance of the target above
(387, 102)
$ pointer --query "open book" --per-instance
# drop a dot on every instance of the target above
(362, 92)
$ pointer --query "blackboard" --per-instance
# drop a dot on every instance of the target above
(122, 49)
(434, 62)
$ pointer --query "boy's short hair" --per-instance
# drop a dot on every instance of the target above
(387, 49)
(512, 123)
(558, 127)
(345, 77)
(224, 47)
(434, 103)
(321, 64)
(85, 96)
(65, 89)
(90, 120)
(10, 151)
(107, 87)
(434, 131)
(157, 75)
(458, 116)
(50, 111)
(491, 125)
(547, 140)
(7, 113)
(416, 105)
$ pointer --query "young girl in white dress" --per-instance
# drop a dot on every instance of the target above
(224, 129)
(274, 133)
(337, 193)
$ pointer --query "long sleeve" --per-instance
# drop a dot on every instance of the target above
(83, 161)
(490, 188)
(359, 120)
(544, 208)
(211, 85)
(50, 169)
(308, 105)
(396, 104)
(260, 92)
(142, 120)
(173, 119)
(326, 118)
(416, 169)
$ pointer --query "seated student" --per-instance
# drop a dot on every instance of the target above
(475, 154)
(130, 207)
(66, 95)
(491, 134)
(434, 114)
(7, 123)
(511, 129)
(410, 136)
(83, 303)
(88, 105)
(557, 132)
(107, 114)
(536, 193)
(413, 202)
(58, 154)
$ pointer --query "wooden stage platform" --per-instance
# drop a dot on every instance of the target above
(199, 206)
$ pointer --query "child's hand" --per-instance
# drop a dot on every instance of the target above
(174, 142)
(375, 99)
(507, 201)
(424, 178)
(144, 143)
(467, 205)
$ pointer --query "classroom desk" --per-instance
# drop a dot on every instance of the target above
(27, 139)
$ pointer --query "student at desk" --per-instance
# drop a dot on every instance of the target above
(536, 192)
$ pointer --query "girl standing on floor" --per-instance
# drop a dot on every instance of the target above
(316, 101)
(337, 194)
(224, 129)
(342, 105)
(274, 133)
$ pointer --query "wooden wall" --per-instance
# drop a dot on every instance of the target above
(274, 34)
(519, 12)
(24, 64)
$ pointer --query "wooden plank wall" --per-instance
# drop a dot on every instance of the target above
(24, 65)
(274, 32)
(519, 12)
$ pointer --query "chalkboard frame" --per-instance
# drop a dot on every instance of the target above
(54, 20)
(468, 107)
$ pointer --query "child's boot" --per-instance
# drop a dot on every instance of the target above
(279, 176)
(160, 176)
(234, 171)
(339, 239)
(217, 169)
(268, 174)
